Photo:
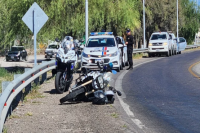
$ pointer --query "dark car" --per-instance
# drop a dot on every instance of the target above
(16, 53)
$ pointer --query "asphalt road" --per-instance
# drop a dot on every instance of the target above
(164, 96)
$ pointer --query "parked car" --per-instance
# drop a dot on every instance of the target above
(51, 50)
(102, 47)
(160, 43)
(16, 53)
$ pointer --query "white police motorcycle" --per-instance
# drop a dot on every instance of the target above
(66, 60)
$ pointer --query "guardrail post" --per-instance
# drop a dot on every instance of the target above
(37, 80)
(28, 87)
(44, 76)
(20, 94)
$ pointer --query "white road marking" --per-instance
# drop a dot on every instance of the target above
(125, 106)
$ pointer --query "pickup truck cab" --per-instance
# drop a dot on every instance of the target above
(160, 43)
(51, 50)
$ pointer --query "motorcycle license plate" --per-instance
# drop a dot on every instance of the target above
(99, 60)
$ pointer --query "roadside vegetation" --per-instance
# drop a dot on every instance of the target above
(33, 94)
(67, 17)
(7, 76)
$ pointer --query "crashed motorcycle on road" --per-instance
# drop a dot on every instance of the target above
(93, 86)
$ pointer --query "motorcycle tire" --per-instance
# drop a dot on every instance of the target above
(72, 95)
(60, 89)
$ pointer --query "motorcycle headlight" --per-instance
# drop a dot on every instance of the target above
(100, 82)
(85, 55)
(113, 54)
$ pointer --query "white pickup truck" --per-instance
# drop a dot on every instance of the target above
(161, 43)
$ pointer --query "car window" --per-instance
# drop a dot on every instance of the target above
(181, 40)
(170, 36)
(17, 48)
(159, 37)
(101, 42)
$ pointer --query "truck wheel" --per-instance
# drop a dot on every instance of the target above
(118, 69)
(149, 54)
(179, 52)
(167, 54)
(121, 67)
(175, 52)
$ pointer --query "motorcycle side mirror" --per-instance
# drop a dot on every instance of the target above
(79, 52)
(57, 40)
(84, 70)
(119, 93)
(114, 72)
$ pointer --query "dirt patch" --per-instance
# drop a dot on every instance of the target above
(47, 115)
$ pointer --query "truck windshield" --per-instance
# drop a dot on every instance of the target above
(52, 47)
(101, 42)
(17, 48)
(159, 37)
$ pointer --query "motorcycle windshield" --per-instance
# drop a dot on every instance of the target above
(67, 45)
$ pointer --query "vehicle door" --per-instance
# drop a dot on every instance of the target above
(181, 44)
(125, 50)
(184, 43)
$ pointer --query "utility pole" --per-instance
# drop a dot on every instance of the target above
(144, 42)
(177, 24)
(86, 21)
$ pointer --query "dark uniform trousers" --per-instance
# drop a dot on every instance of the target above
(130, 57)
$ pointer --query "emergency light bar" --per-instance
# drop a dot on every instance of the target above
(100, 33)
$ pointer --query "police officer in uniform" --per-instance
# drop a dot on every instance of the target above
(129, 43)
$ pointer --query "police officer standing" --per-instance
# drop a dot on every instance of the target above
(129, 43)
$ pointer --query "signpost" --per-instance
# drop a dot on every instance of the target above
(35, 18)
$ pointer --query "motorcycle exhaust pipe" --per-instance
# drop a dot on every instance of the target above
(88, 93)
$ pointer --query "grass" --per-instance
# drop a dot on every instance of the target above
(14, 116)
(114, 115)
(5, 130)
(29, 114)
(124, 126)
(34, 93)
(137, 56)
(7, 76)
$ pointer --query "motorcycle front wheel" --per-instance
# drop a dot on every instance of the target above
(60, 83)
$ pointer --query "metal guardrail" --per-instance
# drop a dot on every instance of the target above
(142, 50)
(145, 50)
(192, 46)
(15, 87)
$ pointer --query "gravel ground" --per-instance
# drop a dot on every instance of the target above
(45, 114)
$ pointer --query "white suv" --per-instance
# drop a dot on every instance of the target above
(101, 46)
(160, 43)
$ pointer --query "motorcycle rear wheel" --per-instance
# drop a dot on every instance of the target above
(72, 95)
